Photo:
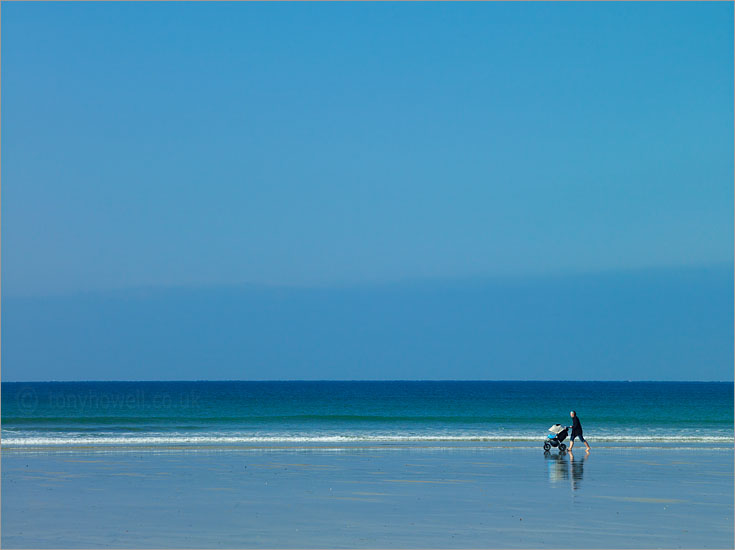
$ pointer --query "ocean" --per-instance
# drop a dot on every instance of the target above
(348, 413)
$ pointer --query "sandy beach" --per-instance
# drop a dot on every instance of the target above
(391, 497)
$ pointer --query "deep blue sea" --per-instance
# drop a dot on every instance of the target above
(306, 413)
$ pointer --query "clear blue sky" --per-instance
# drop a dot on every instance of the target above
(332, 146)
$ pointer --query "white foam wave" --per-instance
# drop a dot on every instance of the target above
(214, 440)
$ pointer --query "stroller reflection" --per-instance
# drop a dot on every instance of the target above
(557, 466)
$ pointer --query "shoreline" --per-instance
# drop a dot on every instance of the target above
(204, 449)
(428, 445)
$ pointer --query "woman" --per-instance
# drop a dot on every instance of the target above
(576, 431)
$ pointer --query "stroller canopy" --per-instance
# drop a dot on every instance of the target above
(556, 428)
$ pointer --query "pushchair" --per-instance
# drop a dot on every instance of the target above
(555, 438)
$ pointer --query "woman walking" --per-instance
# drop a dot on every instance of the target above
(576, 431)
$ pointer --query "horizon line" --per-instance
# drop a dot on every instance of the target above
(368, 380)
(472, 278)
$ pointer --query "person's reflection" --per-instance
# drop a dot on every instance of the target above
(557, 466)
(577, 468)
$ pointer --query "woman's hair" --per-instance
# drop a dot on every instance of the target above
(575, 413)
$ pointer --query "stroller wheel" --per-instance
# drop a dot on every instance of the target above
(562, 447)
(547, 446)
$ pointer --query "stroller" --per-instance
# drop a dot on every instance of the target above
(555, 438)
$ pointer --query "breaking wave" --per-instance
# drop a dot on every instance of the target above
(170, 439)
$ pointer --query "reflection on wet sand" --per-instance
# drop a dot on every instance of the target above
(291, 498)
(558, 465)
(577, 463)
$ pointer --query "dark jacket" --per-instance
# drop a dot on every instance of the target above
(576, 426)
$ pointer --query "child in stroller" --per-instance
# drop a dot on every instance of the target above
(555, 438)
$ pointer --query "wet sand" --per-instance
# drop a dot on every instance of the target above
(392, 497)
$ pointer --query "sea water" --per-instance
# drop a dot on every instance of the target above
(318, 413)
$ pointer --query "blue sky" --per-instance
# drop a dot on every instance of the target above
(333, 146)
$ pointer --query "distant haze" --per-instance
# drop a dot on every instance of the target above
(643, 325)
